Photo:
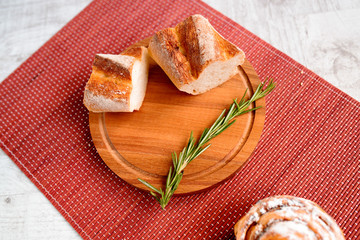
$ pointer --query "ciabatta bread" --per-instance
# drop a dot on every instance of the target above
(195, 56)
(118, 82)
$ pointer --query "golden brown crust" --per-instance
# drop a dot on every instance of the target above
(135, 52)
(173, 61)
(112, 79)
(186, 32)
(229, 49)
(111, 87)
(185, 51)
(109, 84)
(110, 67)
(189, 32)
(287, 217)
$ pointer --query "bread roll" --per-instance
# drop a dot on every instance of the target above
(195, 56)
(285, 218)
(118, 82)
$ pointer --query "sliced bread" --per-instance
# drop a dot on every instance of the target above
(195, 56)
(118, 82)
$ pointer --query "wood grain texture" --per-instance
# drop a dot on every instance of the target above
(139, 144)
(318, 34)
(321, 35)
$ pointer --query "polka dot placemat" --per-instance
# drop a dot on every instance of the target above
(309, 148)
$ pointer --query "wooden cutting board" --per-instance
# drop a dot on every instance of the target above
(139, 144)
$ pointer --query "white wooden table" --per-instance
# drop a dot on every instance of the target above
(322, 35)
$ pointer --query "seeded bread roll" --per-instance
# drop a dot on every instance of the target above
(195, 56)
(118, 82)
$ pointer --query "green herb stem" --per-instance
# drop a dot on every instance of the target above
(194, 148)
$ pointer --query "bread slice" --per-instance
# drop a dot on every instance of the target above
(195, 56)
(118, 82)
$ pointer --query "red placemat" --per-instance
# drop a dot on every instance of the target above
(309, 148)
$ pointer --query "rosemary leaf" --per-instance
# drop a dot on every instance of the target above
(196, 147)
(150, 186)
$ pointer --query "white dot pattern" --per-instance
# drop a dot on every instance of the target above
(309, 148)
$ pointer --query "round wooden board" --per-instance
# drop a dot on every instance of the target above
(139, 144)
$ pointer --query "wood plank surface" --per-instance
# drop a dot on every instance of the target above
(315, 33)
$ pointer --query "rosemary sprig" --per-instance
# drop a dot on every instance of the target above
(194, 148)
